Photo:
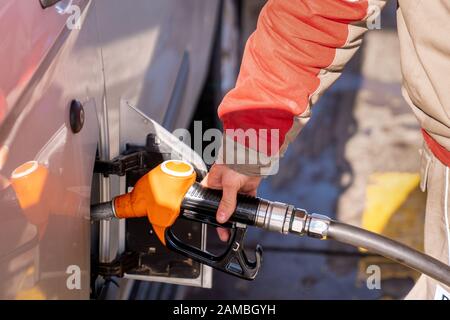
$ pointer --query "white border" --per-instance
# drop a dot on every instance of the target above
(447, 226)
(18, 175)
(176, 173)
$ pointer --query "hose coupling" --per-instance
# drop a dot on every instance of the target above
(274, 216)
(318, 226)
(313, 225)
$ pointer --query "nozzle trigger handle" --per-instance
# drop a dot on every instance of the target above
(233, 261)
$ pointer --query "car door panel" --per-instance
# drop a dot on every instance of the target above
(47, 242)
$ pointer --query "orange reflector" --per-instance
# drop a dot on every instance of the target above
(28, 181)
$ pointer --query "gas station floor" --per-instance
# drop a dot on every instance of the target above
(357, 161)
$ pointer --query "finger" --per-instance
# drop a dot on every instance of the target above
(228, 203)
(213, 179)
(224, 234)
(205, 181)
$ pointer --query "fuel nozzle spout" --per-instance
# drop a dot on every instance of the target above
(103, 211)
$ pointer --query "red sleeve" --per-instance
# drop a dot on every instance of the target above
(297, 51)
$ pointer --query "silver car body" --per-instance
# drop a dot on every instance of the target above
(131, 52)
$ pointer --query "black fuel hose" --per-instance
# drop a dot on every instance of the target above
(390, 249)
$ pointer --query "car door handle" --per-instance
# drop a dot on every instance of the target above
(48, 3)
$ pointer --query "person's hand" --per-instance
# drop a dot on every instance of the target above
(231, 182)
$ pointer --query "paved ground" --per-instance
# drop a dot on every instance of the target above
(358, 154)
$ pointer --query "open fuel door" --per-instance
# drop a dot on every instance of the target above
(140, 255)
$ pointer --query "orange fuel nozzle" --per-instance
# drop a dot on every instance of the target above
(29, 181)
(158, 195)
